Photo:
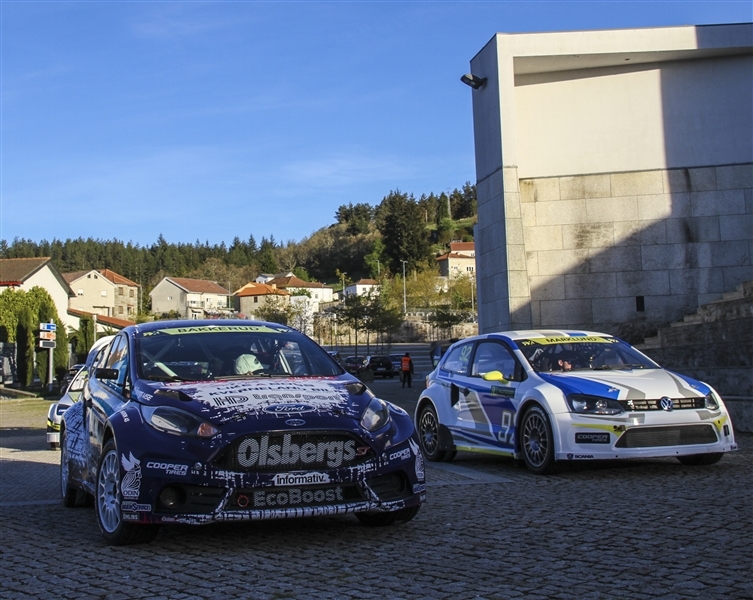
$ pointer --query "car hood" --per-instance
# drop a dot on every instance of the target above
(262, 398)
(629, 384)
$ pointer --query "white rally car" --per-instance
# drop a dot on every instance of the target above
(548, 396)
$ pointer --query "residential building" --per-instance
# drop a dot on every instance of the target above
(190, 298)
(267, 277)
(27, 273)
(103, 292)
(614, 175)
(460, 260)
(103, 323)
(290, 283)
(362, 287)
(253, 296)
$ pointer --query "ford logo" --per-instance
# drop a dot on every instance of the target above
(295, 422)
(288, 409)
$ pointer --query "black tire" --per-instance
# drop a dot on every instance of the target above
(701, 460)
(54, 446)
(428, 435)
(537, 441)
(383, 519)
(107, 503)
(71, 497)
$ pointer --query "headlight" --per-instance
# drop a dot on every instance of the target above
(593, 405)
(376, 415)
(711, 401)
(177, 422)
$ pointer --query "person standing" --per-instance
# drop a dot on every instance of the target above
(406, 369)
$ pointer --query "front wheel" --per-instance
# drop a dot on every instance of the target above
(108, 500)
(428, 435)
(537, 441)
(699, 460)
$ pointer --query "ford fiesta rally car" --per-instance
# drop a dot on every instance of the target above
(547, 396)
(204, 421)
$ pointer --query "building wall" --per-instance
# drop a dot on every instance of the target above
(614, 173)
(44, 278)
(126, 301)
(89, 290)
(167, 297)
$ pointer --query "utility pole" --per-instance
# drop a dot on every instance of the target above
(405, 297)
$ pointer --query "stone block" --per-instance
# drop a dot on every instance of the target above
(535, 314)
(663, 206)
(734, 177)
(588, 235)
(532, 263)
(609, 210)
(544, 189)
(615, 258)
(666, 309)
(676, 181)
(518, 284)
(543, 238)
(483, 191)
(702, 179)
(572, 188)
(512, 205)
(516, 258)
(561, 212)
(613, 310)
(528, 214)
(734, 276)
(547, 288)
(748, 201)
(591, 285)
(643, 283)
(666, 256)
(723, 254)
(510, 179)
(555, 262)
(496, 183)
(723, 202)
(565, 313)
(527, 191)
(597, 186)
(637, 183)
(638, 233)
(736, 227)
(691, 282)
(514, 229)
(692, 230)
(520, 317)
(493, 211)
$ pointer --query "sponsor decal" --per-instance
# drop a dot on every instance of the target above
(419, 487)
(221, 401)
(579, 339)
(296, 497)
(403, 454)
(168, 468)
(419, 460)
(288, 409)
(211, 329)
(592, 438)
(284, 479)
(252, 452)
(135, 507)
(579, 456)
(124, 414)
(498, 390)
(130, 516)
(295, 422)
(131, 484)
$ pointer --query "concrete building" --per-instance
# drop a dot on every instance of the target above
(362, 287)
(459, 261)
(253, 296)
(191, 298)
(614, 175)
(103, 292)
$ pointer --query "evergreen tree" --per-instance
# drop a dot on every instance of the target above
(403, 232)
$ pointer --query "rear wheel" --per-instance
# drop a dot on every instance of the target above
(698, 460)
(428, 435)
(537, 441)
(108, 501)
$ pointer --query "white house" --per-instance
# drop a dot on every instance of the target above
(362, 287)
(460, 260)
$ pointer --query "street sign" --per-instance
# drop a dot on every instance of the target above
(47, 335)
(47, 343)
(47, 327)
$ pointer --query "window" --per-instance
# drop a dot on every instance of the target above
(103, 293)
(130, 293)
(79, 292)
(169, 297)
(121, 291)
(120, 310)
(493, 356)
(457, 359)
(118, 360)
(469, 269)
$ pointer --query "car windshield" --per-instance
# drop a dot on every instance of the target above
(582, 353)
(229, 351)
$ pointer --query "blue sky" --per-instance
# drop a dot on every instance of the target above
(210, 120)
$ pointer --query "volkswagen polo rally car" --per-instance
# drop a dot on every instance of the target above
(204, 421)
(548, 396)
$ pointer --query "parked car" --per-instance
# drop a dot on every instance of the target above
(203, 421)
(336, 355)
(70, 374)
(72, 392)
(354, 364)
(382, 365)
(550, 396)
(397, 362)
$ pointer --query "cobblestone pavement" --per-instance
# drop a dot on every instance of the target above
(634, 529)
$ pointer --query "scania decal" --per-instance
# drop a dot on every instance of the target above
(283, 479)
(131, 484)
(168, 468)
(287, 409)
(261, 453)
(579, 456)
(295, 496)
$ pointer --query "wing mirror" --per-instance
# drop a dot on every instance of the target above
(106, 373)
(494, 376)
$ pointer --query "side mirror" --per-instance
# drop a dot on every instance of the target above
(106, 373)
(494, 376)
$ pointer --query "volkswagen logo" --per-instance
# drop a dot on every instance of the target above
(295, 422)
(666, 404)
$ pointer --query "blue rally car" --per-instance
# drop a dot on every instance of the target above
(205, 421)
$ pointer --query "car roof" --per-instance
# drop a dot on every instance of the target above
(156, 325)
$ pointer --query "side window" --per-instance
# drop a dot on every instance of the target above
(457, 359)
(118, 360)
(493, 356)
(78, 381)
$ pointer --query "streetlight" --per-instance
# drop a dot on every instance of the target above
(405, 298)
